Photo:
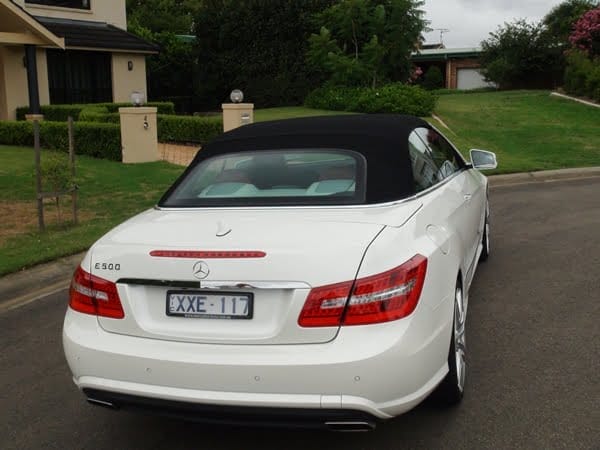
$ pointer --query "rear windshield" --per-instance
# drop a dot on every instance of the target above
(273, 177)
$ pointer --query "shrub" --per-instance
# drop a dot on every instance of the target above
(99, 114)
(582, 76)
(60, 113)
(93, 139)
(392, 98)
(162, 107)
(53, 113)
(16, 133)
(198, 130)
(434, 79)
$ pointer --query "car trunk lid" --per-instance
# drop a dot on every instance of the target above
(288, 251)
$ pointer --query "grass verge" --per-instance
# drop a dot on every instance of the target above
(110, 193)
(528, 130)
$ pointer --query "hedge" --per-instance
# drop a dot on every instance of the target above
(99, 114)
(393, 98)
(93, 139)
(183, 129)
(60, 113)
(188, 129)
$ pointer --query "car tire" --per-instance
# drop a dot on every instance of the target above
(485, 240)
(451, 390)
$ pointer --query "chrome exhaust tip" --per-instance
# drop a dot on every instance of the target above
(104, 404)
(351, 426)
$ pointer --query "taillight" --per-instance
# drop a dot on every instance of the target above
(325, 305)
(90, 294)
(388, 296)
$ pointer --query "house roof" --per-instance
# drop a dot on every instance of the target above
(96, 35)
(19, 27)
(439, 54)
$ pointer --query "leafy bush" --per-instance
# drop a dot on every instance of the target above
(99, 114)
(392, 98)
(190, 129)
(582, 76)
(16, 133)
(586, 33)
(93, 139)
(434, 79)
(60, 113)
(54, 113)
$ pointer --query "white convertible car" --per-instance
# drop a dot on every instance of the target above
(310, 272)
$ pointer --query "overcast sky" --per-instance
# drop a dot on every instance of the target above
(470, 21)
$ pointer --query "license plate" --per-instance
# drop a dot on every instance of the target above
(210, 305)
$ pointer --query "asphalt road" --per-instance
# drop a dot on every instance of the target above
(533, 341)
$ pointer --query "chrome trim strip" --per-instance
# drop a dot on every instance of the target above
(216, 285)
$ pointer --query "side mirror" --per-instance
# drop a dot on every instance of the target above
(483, 160)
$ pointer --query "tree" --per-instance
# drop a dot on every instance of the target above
(367, 42)
(175, 16)
(586, 33)
(258, 46)
(560, 20)
(170, 74)
(522, 55)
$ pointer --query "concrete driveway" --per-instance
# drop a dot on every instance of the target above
(533, 342)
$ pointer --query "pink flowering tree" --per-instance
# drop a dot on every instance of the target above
(586, 33)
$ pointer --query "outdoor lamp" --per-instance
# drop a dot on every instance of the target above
(237, 96)
(137, 98)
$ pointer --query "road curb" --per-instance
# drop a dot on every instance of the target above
(543, 176)
(23, 287)
(20, 288)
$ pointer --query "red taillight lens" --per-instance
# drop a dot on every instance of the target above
(90, 294)
(388, 296)
(325, 305)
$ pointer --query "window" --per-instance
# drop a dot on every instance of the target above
(75, 4)
(433, 158)
(442, 152)
(79, 77)
(425, 170)
(273, 177)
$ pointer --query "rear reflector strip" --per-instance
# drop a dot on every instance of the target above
(192, 254)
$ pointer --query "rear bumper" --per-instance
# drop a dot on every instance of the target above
(333, 419)
(380, 371)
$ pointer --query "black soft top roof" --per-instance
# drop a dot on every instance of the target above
(381, 139)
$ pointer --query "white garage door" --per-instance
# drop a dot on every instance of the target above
(470, 79)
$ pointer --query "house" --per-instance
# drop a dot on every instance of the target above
(68, 51)
(460, 66)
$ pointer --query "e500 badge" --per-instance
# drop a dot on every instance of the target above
(107, 266)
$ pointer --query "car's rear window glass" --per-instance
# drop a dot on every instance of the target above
(273, 177)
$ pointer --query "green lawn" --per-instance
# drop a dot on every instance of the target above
(110, 193)
(529, 130)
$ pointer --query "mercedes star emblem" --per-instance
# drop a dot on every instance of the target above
(201, 270)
